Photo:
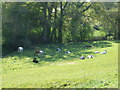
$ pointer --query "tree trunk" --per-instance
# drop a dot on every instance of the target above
(45, 22)
(49, 24)
(60, 24)
(53, 34)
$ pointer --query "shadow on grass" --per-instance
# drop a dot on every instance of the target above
(76, 49)
(116, 41)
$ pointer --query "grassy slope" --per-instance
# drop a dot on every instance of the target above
(60, 70)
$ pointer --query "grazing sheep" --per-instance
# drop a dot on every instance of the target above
(20, 49)
(68, 52)
(90, 56)
(35, 60)
(104, 52)
(38, 52)
(82, 57)
(96, 52)
(58, 49)
(41, 52)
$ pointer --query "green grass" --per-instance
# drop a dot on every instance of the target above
(60, 70)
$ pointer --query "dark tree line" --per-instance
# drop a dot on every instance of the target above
(29, 23)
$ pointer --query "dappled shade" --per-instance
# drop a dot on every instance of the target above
(77, 50)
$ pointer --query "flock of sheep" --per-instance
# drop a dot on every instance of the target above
(39, 52)
(96, 52)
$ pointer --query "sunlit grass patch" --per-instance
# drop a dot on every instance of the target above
(61, 70)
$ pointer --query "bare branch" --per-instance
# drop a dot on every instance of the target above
(79, 5)
(86, 8)
(65, 5)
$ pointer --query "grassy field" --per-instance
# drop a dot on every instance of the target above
(61, 70)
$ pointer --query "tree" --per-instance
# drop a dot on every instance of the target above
(62, 10)
(27, 23)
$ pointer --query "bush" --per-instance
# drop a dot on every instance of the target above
(110, 38)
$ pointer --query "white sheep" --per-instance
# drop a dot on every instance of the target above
(68, 52)
(20, 49)
(104, 52)
(58, 49)
(82, 57)
(90, 56)
(41, 52)
(96, 52)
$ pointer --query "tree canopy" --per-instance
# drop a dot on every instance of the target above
(29, 23)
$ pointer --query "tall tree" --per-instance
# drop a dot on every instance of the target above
(62, 9)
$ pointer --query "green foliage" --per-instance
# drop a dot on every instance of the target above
(14, 24)
(35, 35)
(28, 23)
(98, 35)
